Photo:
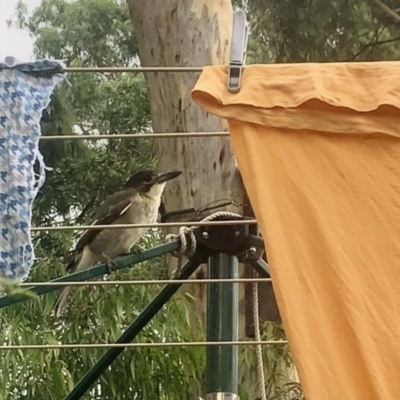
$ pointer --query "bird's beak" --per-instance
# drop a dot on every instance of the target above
(168, 176)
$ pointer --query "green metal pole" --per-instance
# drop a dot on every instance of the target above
(133, 330)
(222, 325)
(122, 262)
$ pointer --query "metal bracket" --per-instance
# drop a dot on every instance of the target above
(240, 35)
(254, 260)
(230, 239)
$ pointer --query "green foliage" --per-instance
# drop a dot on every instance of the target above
(96, 32)
(99, 33)
(57, 120)
(99, 315)
(277, 362)
(321, 30)
(83, 173)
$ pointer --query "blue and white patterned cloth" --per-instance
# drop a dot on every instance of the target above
(25, 90)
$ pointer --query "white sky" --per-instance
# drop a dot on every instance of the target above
(14, 42)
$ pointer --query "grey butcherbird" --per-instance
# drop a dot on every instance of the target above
(137, 203)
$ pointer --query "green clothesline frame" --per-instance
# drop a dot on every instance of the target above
(120, 263)
(221, 248)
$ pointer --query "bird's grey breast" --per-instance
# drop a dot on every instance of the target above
(113, 242)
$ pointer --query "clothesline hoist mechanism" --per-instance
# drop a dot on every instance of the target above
(221, 247)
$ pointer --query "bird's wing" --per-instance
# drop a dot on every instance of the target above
(106, 215)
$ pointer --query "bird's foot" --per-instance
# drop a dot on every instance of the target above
(112, 267)
(138, 250)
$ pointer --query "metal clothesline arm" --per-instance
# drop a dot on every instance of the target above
(235, 239)
(123, 262)
(133, 330)
(120, 263)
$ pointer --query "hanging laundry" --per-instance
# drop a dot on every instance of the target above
(318, 147)
(25, 90)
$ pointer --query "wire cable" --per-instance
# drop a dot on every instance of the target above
(155, 225)
(136, 136)
(144, 282)
(136, 345)
(103, 70)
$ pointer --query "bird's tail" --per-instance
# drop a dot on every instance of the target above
(61, 301)
(62, 298)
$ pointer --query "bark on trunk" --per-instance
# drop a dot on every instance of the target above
(190, 33)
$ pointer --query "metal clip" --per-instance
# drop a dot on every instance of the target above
(240, 35)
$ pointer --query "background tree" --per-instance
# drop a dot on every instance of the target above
(317, 31)
(85, 34)
(95, 33)
(167, 39)
(100, 33)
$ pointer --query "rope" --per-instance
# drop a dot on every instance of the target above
(260, 363)
(183, 233)
(187, 237)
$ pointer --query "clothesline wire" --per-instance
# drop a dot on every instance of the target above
(136, 136)
(132, 69)
(145, 282)
(142, 282)
(155, 225)
(135, 345)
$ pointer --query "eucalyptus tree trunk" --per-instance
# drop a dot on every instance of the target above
(190, 33)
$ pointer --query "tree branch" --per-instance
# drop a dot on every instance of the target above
(387, 9)
(166, 216)
(372, 44)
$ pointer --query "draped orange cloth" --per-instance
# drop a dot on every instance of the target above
(318, 146)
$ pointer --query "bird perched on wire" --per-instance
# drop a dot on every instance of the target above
(137, 203)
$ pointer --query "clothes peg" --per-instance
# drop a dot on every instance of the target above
(240, 34)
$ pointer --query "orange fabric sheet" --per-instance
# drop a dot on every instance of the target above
(318, 146)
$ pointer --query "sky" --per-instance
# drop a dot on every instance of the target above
(13, 41)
